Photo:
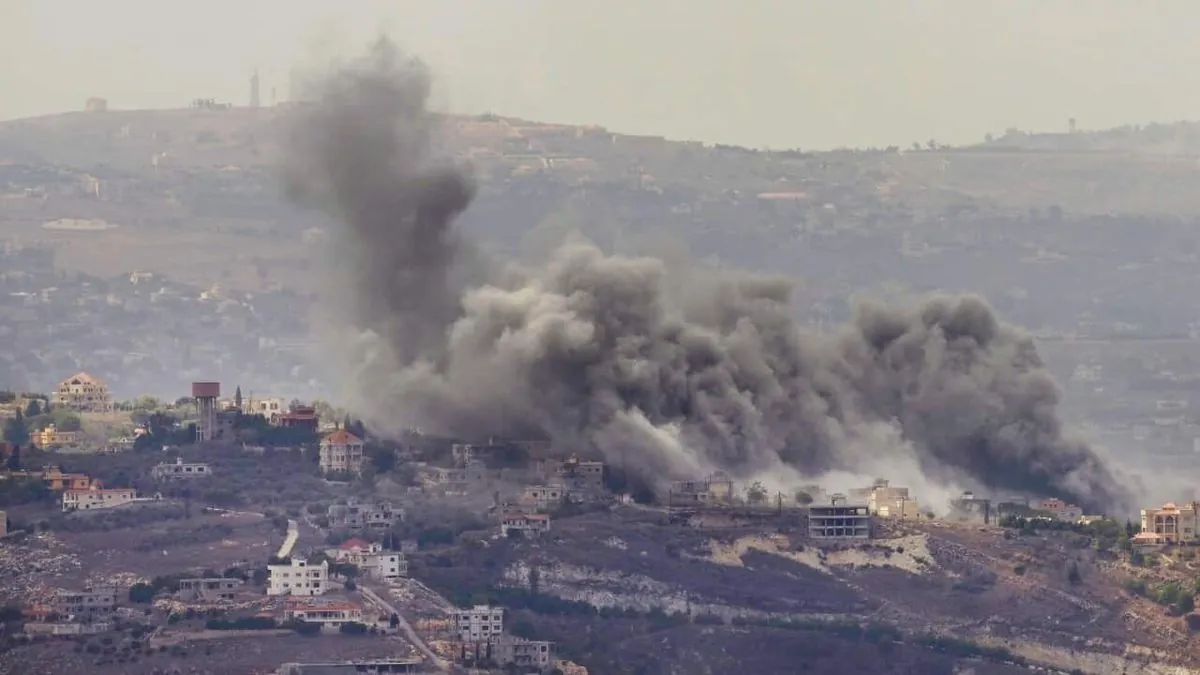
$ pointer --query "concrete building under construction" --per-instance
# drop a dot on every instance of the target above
(839, 520)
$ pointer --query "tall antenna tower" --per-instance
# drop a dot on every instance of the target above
(254, 102)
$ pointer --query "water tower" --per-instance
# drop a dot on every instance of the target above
(206, 395)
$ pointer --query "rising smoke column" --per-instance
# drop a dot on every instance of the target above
(607, 352)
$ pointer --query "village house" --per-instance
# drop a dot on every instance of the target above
(527, 524)
(218, 588)
(1059, 510)
(341, 451)
(354, 515)
(969, 508)
(51, 437)
(178, 470)
(715, 489)
(480, 623)
(327, 614)
(582, 474)
(547, 497)
(58, 481)
(887, 501)
(298, 417)
(97, 498)
(83, 393)
(371, 558)
(1171, 523)
(523, 654)
(297, 577)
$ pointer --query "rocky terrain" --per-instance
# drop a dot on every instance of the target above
(622, 585)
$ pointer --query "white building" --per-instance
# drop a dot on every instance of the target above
(331, 614)
(179, 470)
(341, 451)
(528, 524)
(481, 623)
(298, 578)
(96, 498)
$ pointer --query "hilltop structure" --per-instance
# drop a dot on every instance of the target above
(83, 393)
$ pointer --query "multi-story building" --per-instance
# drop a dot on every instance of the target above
(96, 498)
(51, 437)
(83, 393)
(341, 451)
(481, 623)
(298, 577)
(839, 520)
(100, 599)
(1171, 523)
(218, 588)
(527, 524)
(178, 470)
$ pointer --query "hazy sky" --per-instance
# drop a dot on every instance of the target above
(784, 73)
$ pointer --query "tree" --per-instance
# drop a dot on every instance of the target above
(14, 459)
(382, 457)
(803, 498)
(16, 431)
(1073, 574)
(756, 493)
(34, 408)
(237, 397)
(141, 593)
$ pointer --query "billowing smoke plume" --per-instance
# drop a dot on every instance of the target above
(668, 373)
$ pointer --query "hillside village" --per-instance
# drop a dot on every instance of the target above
(158, 521)
(373, 560)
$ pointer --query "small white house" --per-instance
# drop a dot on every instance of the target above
(528, 524)
(96, 498)
(298, 578)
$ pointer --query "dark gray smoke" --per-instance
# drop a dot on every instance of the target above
(669, 374)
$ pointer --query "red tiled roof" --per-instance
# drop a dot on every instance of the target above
(343, 437)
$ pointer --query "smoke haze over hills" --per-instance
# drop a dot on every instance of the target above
(669, 372)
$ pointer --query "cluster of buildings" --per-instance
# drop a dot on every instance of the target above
(371, 559)
(970, 507)
(79, 492)
(357, 515)
(479, 637)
